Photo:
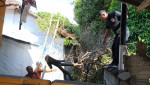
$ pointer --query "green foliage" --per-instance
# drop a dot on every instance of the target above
(138, 24)
(73, 29)
(44, 21)
(95, 27)
(115, 6)
(87, 11)
(87, 16)
(69, 42)
(64, 23)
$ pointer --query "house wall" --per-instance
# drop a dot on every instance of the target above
(29, 30)
(16, 55)
(29, 33)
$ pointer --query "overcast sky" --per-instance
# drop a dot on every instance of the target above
(54, 6)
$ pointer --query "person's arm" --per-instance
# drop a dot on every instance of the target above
(127, 11)
(106, 35)
(54, 70)
(39, 70)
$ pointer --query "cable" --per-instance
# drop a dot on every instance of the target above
(3, 3)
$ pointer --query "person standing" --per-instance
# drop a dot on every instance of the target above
(113, 22)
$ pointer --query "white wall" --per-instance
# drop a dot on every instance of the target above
(29, 30)
(16, 56)
(29, 33)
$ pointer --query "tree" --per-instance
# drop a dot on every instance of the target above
(138, 24)
(92, 32)
(87, 16)
(43, 21)
(64, 24)
(115, 6)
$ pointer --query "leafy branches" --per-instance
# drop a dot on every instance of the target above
(90, 25)
(138, 24)
(64, 24)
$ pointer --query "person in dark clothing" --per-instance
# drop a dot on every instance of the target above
(113, 22)
(31, 74)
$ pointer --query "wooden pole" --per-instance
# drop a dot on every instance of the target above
(143, 5)
(47, 35)
(55, 32)
(50, 47)
(41, 55)
(2, 15)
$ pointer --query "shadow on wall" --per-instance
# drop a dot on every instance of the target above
(16, 55)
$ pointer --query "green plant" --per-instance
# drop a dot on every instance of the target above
(138, 24)
(69, 42)
(87, 17)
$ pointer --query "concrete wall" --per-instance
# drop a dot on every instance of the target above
(111, 79)
(137, 65)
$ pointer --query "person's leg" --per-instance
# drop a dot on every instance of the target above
(116, 57)
(113, 51)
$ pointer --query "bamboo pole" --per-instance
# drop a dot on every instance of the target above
(41, 55)
(51, 46)
(55, 32)
(46, 35)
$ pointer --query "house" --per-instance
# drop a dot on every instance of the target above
(21, 48)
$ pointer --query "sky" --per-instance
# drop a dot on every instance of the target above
(54, 6)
